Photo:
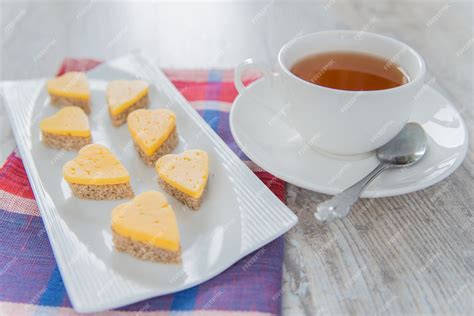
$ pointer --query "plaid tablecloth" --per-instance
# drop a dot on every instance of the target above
(30, 282)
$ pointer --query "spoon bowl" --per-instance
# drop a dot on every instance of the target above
(407, 148)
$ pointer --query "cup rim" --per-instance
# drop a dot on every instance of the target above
(407, 85)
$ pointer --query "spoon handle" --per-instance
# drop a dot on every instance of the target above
(340, 204)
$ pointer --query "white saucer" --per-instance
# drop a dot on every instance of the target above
(261, 131)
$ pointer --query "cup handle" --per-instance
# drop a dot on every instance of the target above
(242, 67)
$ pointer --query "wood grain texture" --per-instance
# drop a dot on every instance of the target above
(409, 255)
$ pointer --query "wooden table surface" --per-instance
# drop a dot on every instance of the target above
(411, 254)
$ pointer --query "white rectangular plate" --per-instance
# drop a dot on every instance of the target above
(239, 214)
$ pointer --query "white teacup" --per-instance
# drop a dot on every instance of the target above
(339, 121)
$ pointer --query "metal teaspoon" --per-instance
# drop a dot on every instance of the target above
(403, 150)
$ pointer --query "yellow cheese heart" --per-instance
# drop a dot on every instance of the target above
(148, 218)
(95, 165)
(151, 128)
(187, 172)
(121, 94)
(68, 121)
(72, 84)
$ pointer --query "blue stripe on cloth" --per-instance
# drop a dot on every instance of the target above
(55, 291)
(185, 300)
(212, 117)
(26, 258)
(223, 130)
(215, 75)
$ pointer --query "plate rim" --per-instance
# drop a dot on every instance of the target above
(43, 200)
(369, 193)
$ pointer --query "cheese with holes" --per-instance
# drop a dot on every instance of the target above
(148, 218)
(121, 94)
(71, 85)
(68, 121)
(186, 172)
(151, 128)
(95, 165)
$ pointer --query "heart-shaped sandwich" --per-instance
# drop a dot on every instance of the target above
(96, 174)
(70, 89)
(146, 228)
(124, 97)
(67, 129)
(184, 176)
(153, 132)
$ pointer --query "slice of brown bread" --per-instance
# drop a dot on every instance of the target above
(67, 101)
(102, 192)
(144, 251)
(164, 149)
(121, 118)
(189, 201)
(65, 142)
